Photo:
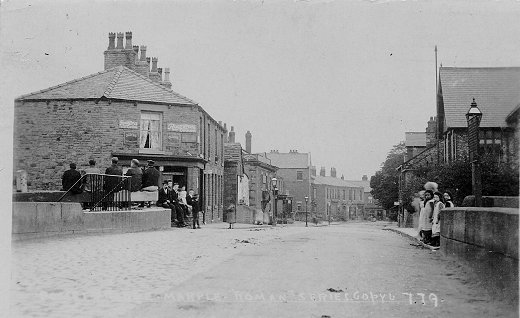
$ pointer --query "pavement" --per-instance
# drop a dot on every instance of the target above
(342, 270)
(412, 233)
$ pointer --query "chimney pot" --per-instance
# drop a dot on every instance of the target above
(167, 74)
(232, 135)
(248, 141)
(128, 41)
(154, 64)
(143, 53)
(120, 36)
(111, 41)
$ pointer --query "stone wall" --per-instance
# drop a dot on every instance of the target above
(485, 240)
(41, 219)
(48, 137)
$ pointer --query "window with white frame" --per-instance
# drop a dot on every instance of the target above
(151, 127)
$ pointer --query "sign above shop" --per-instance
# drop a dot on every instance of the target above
(182, 128)
(128, 124)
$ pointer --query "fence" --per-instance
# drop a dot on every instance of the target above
(104, 192)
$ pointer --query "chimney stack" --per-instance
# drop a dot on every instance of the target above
(136, 51)
(159, 70)
(248, 141)
(333, 172)
(342, 177)
(128, 43)
(117, 55)
(143, 53)
(111, 41)
(166, 82)
(322, 171)
(141, 66)
(119, 40)
(232, 135)
(154, 64)
(365, 178)
(154, 74)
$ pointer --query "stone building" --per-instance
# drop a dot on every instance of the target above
(127, 110)
(415, 143)
(497, 94)
(335, 197)
(295, 170)
(236, 183)
(260, 171)
(371, 207)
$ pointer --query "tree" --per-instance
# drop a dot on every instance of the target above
(498, 179)
(385, 183)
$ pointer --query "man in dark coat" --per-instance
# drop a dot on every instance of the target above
(113, 184)
(70, 178)
(165, 201)
(136, 176)
(193, 201)
(151, 177)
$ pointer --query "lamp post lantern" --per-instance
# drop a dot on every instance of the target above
(473, 117)
(275, 197)
(306, 201)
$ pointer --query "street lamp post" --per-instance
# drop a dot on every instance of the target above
(473, 117)
(306, 200)
(329, 211)
(275, 197)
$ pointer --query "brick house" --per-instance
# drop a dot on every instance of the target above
(339, 198)
(129, 111)
(295, 170)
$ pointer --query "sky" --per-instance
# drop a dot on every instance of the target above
(343, 80)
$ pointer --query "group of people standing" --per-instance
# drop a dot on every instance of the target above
(431, 203)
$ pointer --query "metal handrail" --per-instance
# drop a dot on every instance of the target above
(101, 195)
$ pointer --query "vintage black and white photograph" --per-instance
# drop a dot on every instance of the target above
(260, 158)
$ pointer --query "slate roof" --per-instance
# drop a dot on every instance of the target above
(361, 183)
(337, 182)
(496, 91)
(415, 139)
(289, 160)
(116, 83)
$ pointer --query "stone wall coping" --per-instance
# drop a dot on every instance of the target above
(511, 211)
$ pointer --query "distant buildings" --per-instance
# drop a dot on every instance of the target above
(337, 198)
(294, 169)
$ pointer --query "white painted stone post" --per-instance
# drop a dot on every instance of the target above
(21, 181)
